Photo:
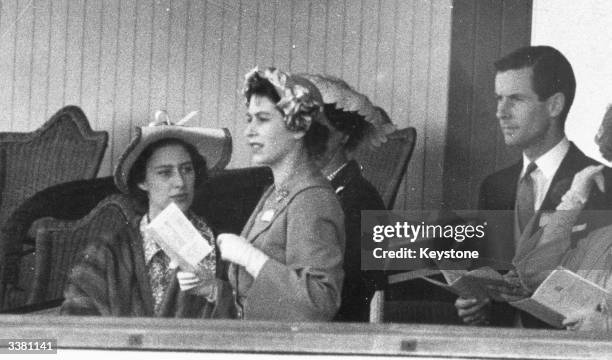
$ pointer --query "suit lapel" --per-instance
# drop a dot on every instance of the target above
(512, 187)
(277, 211)
(573, 162)
(251, 222)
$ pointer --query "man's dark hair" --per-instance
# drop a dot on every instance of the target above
(347, 122)
(552, 72)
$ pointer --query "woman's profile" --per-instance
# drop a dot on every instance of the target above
(287, 263)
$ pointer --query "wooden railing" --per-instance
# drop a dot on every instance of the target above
(227, 336)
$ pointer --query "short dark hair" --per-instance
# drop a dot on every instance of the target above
(315, 139)
(347, 122)
(139, 169)
(258, 85)
(552, 72)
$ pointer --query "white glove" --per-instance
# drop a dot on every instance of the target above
(583, 180)
(238, 250)
(581, 187)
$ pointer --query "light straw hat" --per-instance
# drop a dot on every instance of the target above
(214, 144)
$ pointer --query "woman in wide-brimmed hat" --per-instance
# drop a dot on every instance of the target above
(124, 272)
(352, 119)
(287, 264)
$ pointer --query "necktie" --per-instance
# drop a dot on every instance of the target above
(525, 197)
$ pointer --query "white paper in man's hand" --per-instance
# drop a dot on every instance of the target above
(179, 239)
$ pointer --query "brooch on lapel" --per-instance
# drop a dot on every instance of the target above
(279, 194)
(267, 215)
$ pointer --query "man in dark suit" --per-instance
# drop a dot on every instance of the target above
(535, 88)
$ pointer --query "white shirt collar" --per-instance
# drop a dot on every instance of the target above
(549, 163)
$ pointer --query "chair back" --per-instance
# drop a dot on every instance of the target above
(59, 242)
(65, 148)
(67, 201)
(385, 167)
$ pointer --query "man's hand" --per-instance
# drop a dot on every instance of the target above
(473, 311)
(590, 320)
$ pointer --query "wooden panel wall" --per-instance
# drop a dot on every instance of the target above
(121, 60)
(482, 31)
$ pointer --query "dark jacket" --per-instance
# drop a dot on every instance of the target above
(356, 194)
(498, 192)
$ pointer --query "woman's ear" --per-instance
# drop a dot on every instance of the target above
(143, 186)
(299, 134)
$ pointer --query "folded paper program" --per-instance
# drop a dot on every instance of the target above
(479, 283)
(562, 294)
(175, 234)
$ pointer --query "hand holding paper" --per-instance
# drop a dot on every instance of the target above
(473, 311)
(564, 298)
(179, 239)
(189, 281)
(587, 320)
(475, 284)
(238, 250)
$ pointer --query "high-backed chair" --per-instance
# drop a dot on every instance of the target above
(385, 168)
(64, 148)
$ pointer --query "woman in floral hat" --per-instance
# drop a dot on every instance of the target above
(287, 263)
(124, 272)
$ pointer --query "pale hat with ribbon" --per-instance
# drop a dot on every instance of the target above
(214, 144)
(336, 91)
